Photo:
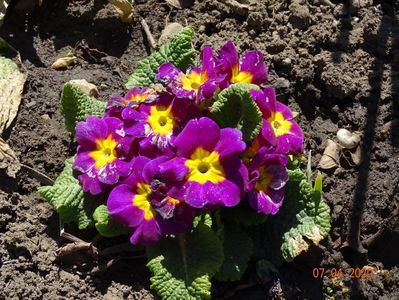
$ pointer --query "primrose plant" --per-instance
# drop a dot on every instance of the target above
(198, 161)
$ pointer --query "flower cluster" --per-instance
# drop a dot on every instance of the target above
(161, 159)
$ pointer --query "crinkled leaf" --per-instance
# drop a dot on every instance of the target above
(237, 247)
(77, 106)
(178, 51)
(68, 199)
(105, 225)
(304, 219)
(235, 108)
(183, 269)
(12, 80)
(203, 219)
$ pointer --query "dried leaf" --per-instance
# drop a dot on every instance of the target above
(124, 9)
(180, 3)
(330, 158)
(8, 160)
(168, 32)
(64, 62)
(12, 82)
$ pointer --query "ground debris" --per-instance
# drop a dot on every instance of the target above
(8, 160)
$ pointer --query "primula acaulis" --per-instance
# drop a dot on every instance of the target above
(208, 165)
(102, 153)
(147, 210)
(166, 160)
(199, 83)
(279, 129)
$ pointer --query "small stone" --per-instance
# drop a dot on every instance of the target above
(88, 88)
(287, 61)
(45, 117)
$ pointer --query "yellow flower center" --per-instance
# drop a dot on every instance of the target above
(264, 180)
(161, 119)
(279, 124)
(105, 152)
(205, 166)
(238, 76)
(251, 151)
(193, 80)
(142, 200)
(139, 97)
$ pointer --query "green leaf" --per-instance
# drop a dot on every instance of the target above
(178, 51)
(182, 270)
(238, 247)
(235, 108)
(304, 219)
(77, 106)
(203, 219)
(105, 225)
(243, 215)
(68, 199)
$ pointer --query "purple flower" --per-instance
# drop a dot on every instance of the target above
(133, 98)
(279, 127)
(250, 69)
(143, 204)
(102, 153)
(199, 83)
(207, 166)
(157, 123)
(267, 178)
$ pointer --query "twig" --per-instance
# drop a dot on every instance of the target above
(102, 268)
(148, 33)
(328, 3)
(41, 177)
(372, 239)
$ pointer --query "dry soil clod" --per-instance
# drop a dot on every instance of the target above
(180, 4)
(168, 32)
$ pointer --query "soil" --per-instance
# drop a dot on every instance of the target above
(336, 66)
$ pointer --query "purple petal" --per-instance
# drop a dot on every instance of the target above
(108, 174)
(174, 169)
(90, 184)
(267, 204)
(137, 174)
(152, 168)
(253, 63)
(83, 162)
(87, 132)
(121, 208)
(280, 176)
(284, 110)
(230, 142)
(228, 58)
(147, 233)
(123, 167)
(201, 132)
(168, 73)
(267, 133)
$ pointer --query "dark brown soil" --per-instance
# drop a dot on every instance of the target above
(336, 66)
